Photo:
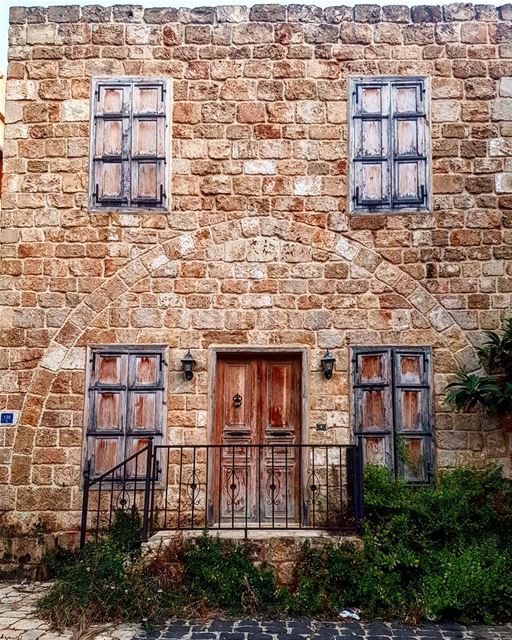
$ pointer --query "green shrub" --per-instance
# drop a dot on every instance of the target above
(223, 575)
(103, 585)
(493, 392)
(470, 585)
(441, 553)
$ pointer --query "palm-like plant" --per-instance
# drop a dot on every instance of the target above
(495, 354)
(470, 389)
(492, 391)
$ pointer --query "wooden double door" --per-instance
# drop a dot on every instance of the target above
(256, 471)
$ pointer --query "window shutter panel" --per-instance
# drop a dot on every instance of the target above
(413, 425)
(373, 405)
(409, 122)
(107, 411)
(369, 145)
(148, 145)
(125, 409)
(110, 145)
(145, 405)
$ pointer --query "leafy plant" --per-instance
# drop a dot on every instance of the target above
(470, 389)
(224, 575)
(426, 553)
(495, 354)
(494, 392)
(442, 553)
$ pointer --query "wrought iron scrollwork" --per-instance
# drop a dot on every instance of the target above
(234, 488)
(123, 500)
(273, 487)
(194, 488)
(314, 488)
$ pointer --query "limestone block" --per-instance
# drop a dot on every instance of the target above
(21, 90)
(501, 109)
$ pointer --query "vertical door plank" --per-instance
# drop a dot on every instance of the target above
(235, 426)
(279, 428)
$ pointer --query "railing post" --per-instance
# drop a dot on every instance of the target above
(358, 484)
(85, 504)
(147, 492)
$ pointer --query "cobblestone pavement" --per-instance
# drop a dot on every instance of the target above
(19, 622)
(311, 630)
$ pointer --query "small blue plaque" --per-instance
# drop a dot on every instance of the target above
(7, 417)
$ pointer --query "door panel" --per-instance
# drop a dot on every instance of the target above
(257, 404)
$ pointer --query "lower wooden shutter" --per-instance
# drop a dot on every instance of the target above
(392, 409)
(125, 406)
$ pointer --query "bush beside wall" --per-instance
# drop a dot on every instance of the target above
(442, 553)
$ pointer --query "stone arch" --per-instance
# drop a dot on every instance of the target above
(199, 244)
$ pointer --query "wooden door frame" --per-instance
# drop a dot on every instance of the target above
(215, 351)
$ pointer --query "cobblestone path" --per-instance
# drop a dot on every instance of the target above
(311, 630)
(18, 622)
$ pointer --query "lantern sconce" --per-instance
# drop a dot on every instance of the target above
(187, 364)
(328, 361)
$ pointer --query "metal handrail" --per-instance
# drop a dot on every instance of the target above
(325, 492)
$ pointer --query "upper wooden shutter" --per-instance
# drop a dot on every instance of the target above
(148, 145)
(370, 145)
(409, 130)
(111, 158)
(392, 409)
(388, 144)
(128, 147)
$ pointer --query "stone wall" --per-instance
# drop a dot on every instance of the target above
(258, 248)
(2, 123)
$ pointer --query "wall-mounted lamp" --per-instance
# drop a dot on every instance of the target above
(328, 364)
(187, 364)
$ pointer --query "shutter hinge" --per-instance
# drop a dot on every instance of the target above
(93, 362)
(423, 194)
(162, 193)
(355, 197)
(163, 90)
(355, 93)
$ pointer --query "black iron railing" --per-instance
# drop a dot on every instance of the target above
(230, 486)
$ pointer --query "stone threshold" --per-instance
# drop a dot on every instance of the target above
(162, 537)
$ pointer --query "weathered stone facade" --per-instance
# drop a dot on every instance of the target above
(2, 122)
(258, 247)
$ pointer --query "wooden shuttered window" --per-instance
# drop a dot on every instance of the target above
(392, 409)
(125, 405)
(129, 144)
(389, 145)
